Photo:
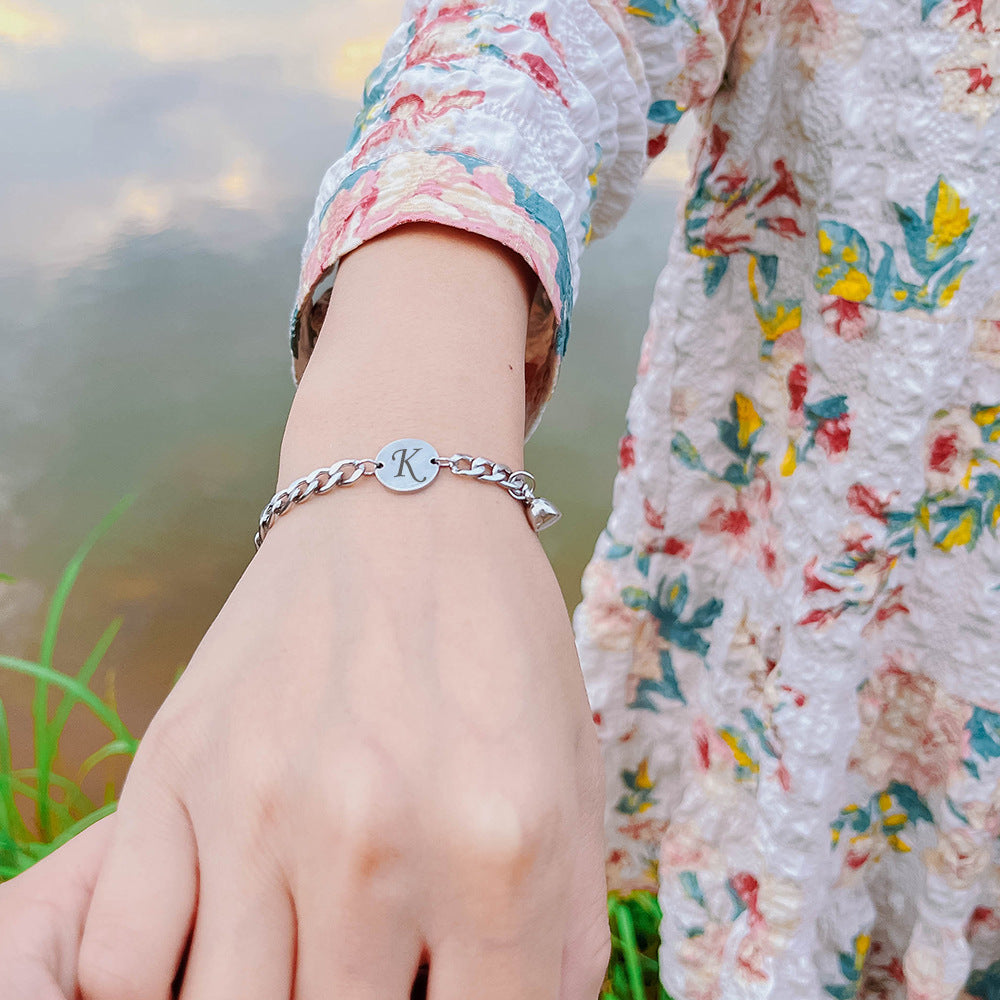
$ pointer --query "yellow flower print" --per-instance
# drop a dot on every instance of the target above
(748, 419)
(950, 222)
(642, 778)
(742, 758)
(853, 286)
(961, 534)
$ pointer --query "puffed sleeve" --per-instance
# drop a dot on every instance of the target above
(527, 121)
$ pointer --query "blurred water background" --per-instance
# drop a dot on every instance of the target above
(159, 166)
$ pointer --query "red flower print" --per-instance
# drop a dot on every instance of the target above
(943, 451)
(724, 520)
(864, 500)
(834, 436)
(847, 320)
(653, 517)
(784, 186)
(409, 112)
(539, 71)
(783, 225)
(745, 887)
(717, 143)
(979, 76)
(676, 547)
(891, 605)
(975, 8)
(798, 385)
(821, 617)
(811, 583)
(626, 452)
(540, 23)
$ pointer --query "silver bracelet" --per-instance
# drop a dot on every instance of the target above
(405, 466)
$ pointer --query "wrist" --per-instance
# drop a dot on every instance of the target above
(424, 336)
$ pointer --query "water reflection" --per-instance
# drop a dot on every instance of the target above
(152, 218)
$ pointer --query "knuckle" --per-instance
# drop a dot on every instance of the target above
(599, 946)
(509, 840)
(163, 750)
(101, 974)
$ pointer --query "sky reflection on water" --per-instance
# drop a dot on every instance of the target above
(160, 170)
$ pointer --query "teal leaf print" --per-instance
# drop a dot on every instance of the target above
(937, 238)
(889, 813)
(738, 435)
(984, 733)
(933, 240)
(758, 728)
(847, 967)
(689, 882)
(664, 112)
(767, 267)
(668, 608)
(617, 550)
(706, 614)
(988, 419)
(667, 687)
(851, 965)
(660, 12)
(909, 799)
(927, 6)
(715, 271)
(739, 907)
(682, 447)
(984, 984)
(639, 795)
(966, 518)
(637, 599)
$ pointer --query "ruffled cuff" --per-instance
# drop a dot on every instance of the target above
(454, 189)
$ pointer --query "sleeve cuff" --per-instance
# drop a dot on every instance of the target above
(454, 189)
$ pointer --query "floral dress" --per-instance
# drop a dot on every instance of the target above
(790, 630)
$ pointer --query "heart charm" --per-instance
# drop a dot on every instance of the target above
(541, 513)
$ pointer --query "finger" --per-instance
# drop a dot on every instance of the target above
(33, 983)
(243, 946)
(43, 911)
(357, 937)
(143, 903)
(528, 967)
(587, 949)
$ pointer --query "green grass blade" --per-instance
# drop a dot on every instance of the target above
(69, 575)
(33, 794)
(13, 824)
(105, 713)
(67, 835)
(112, 749)
(84, 677)
(75, 798)
(44, 746)
(630, 951)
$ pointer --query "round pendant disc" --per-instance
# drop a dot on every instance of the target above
(405, 465)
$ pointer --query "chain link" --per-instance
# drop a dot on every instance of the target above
(315, 484)
(520, 485)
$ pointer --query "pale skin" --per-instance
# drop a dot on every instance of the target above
(382, 752)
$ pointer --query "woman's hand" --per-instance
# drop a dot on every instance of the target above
(381, 751)
(42, 913)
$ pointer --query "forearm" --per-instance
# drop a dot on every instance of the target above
(424, 338)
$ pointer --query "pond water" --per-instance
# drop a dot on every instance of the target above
(158, 174)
